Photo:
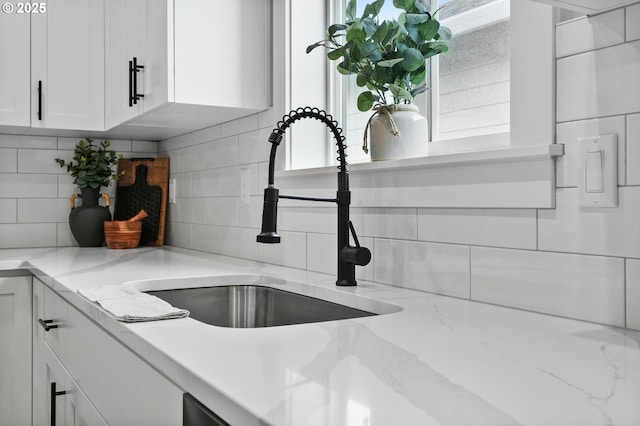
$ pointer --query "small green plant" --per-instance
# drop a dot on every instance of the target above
(93, 166)
(388, 57)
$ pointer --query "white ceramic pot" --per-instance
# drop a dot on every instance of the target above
(412, 140)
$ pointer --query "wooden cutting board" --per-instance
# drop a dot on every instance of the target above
(144, 185)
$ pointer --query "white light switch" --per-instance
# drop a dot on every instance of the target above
(598, 171)
(593, 171)
(172, 191)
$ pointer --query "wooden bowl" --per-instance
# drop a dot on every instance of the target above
(121, 234)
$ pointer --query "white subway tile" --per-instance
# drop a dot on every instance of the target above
(604, 231)
(191, 210)
(8, 160)
(22, 235)
(66, 187)
(254, 146)
(176, 143)
(41, 160)
(221, 153)
(599, 83)
(250, 216)
(241, 125)
(589, 33)
(65, 238)
(205, 183)
(206, 238)
(400, 223)
(320, 219)
(221, 211)
(206, 135)
(567, 171)
(150, 147)
(119, 145)
(178, 234)
(633, 294)
(192, 158)
(43, 210)
(18, 141)
(230, 179)
(8, 210)
(239, 242)
(183, 184)
(633, 18)
(430, 267)
(589, 288)
(486, 227)
(322, 253)
(291, 252)
(633, 149)
(28, 186)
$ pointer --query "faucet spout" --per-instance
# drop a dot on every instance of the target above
(348, 256)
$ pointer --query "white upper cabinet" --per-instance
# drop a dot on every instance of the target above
(15, 69)
(136, 58)
(203, 63)
(67, 65)
(148, 69)
(588, 7)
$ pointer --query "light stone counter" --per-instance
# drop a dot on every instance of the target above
(439, 361)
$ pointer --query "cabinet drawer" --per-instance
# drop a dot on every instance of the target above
(123, 388)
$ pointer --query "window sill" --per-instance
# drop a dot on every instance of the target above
(512, 177)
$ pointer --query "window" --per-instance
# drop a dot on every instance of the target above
(493, 89)
(469, 86)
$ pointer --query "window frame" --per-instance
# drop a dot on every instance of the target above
(531, 138)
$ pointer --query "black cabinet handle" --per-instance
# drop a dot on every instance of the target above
(39, 99)
(54, 394)
(131, 77)
(46, 324)
(136, 68)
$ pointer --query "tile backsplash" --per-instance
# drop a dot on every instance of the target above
(35, 190)
(567, 261)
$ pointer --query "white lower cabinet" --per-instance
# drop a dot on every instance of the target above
(101, 373)
(65, 402)
(15, 351)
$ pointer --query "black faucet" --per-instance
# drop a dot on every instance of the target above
(348, 255)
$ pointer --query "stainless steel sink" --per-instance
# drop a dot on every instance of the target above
(251, 306)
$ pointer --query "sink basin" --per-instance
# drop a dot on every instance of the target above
(251, 306)
(252, 301)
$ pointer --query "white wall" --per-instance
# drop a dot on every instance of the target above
(564, 261)
(35, 190)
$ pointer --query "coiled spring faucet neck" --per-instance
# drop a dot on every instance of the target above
(348, 256)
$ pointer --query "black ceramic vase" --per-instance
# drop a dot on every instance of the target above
(87, 220)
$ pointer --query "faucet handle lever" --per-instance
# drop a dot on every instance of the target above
(353, 234)
(355, 255)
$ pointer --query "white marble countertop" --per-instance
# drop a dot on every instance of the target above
(439, 361)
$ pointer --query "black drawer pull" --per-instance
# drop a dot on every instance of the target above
(46, 324)
(54, 394)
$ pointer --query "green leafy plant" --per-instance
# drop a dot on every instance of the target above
(93, 166)
(388, 57)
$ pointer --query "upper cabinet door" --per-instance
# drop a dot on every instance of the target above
(222, 53)
(14, 69)
(136, 32)
(67, 65)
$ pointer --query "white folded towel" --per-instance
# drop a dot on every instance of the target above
(130, 305)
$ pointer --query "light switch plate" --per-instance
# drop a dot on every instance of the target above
(172, 191)
(598, 171)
